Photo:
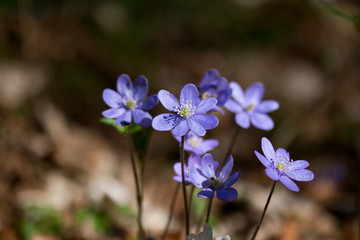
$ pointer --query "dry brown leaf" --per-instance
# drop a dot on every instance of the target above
(290, 232)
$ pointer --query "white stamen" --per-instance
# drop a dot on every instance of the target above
(130, 104)
(186, 109)
(281, 162)
(194, 141)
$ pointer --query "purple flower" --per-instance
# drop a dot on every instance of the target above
(279, 166)
(198, 145)
(129, 101)
(211, 180)
(249, 108)
(189, 114)
(194, 161)
(213, 85)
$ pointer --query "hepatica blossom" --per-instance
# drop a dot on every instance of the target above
(198, 145)
(188, 114)
(249, 108)
(194, 161)
(279, 166)
(211, 180)
(129, 102)
(213, 85)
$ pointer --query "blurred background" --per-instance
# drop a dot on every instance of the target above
(65, 175)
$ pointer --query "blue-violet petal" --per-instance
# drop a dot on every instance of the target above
(226, 194)
(113, 112)
(272, 173)
(233, 106)
(181, 128)
(262, 121)
(112, 98)
(237, 92)
(226, 169)
(196, 177)
(232, 179)
(124, 86)
(196, 127)
(124, 119)
(290, 184)
(168, 100)
(242, 119)
(141, 87)
(303, 175)
(149, 102)
(299, 164)
(267, 106)
(165, 121)
(208, 165)
(142, 118)
(207, 121)
(206, 193)
(190, 93)
(266, 162)
(254, 94)
(268, 149)
(206, 105)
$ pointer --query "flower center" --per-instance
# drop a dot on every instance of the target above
(280, 166)
(215, 181)
(282, 162)
(130, 104)
(206, 95)
(250, 107)
(194, 141)
(186, 109)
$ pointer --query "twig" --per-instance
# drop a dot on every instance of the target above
(264, 211)
(172, 206)
(187, 226)
(137, 186)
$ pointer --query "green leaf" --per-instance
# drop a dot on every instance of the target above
(43, 220)
(141, 141)
(97, 217)
(199, 204)
(213, 220)
(140, 137)
(121, 129)
(126, 211)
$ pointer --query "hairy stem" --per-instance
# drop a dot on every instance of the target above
(187, 226)
(172, 207)
(137, 186)
(264, 211)
(232, 144)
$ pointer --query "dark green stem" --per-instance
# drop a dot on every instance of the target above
(141, 185)
(264, 211)
(187, 226)
(208, 211)
(190, 201)
(137, 186)
(172, 207)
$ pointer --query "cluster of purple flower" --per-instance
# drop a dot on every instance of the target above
(190, 117)
(129, 101)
